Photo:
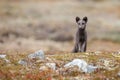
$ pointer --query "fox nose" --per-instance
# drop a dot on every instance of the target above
(80, 26)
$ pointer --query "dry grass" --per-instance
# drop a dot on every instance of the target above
(14, 70)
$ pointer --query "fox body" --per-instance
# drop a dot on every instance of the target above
(81, 35)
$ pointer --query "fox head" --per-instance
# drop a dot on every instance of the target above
(81, 22)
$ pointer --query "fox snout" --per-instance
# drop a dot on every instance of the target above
(81, 22)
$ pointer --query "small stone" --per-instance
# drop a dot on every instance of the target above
(108, 64)
(2, 56)
(118, 74)
(116, 54)
(40, 61)
(7, 60)
(51, 65)
(43, 68)
(37, 55)
(98, 52)
(87, 53)
(49, 59)
(91, 68)
(22, 62)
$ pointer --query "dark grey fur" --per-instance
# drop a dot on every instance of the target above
(81, 35)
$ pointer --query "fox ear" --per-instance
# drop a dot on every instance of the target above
(77, 19)
(85, 19)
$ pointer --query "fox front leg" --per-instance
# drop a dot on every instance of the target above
(76, 48)
(83, 47)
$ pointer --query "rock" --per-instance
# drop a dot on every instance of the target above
(43, 68)
(40, 61)
(77, 62)
(38, 55)
(93, 53)
(22, 62)
(82, 65)
(116, 54)
(91, 68)
(51, 66)
(87, 53)
(118, 74)
(49, 59)
(80, 78)
(98, 52)
(3, 56)
(108, 64)
(7, 60)
(48, 66)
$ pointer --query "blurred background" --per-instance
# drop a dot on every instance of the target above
(50, 24)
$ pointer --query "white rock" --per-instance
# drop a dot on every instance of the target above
(2, 56)
(51, 65)
(42, 68)
(78, 62)
(91, 68)
(98, 52)
(38, 54)
(118, 74)
(7, 60)
(49, 59)
(116, 54)
(108, 64)
(82, 65)
(22, 62)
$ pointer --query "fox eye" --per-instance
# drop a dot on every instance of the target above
(83, 23)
